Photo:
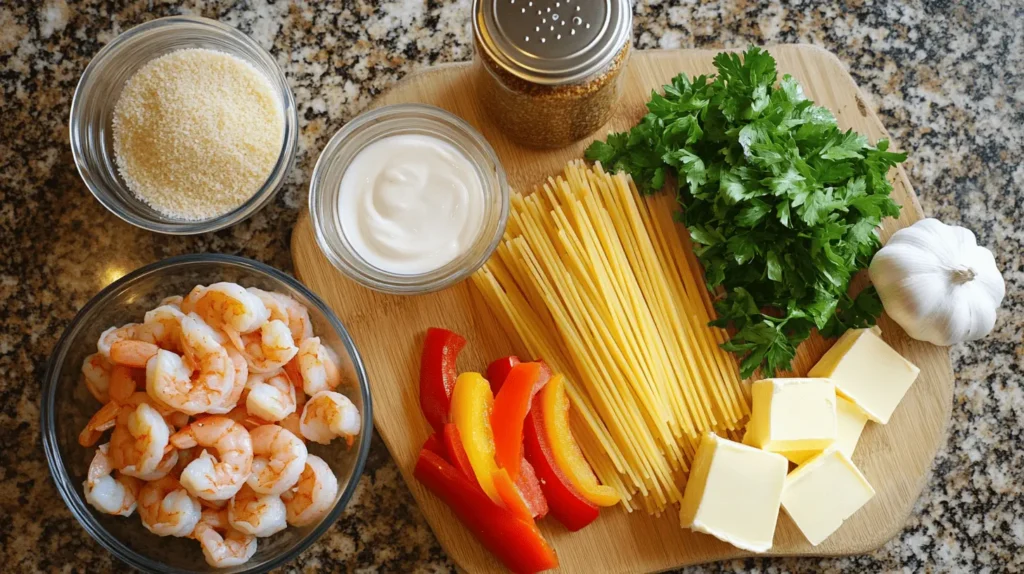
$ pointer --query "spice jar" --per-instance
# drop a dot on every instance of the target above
(549, 70)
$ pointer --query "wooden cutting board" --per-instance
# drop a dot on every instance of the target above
(389, 332)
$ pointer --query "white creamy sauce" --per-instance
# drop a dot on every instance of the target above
(410, 203)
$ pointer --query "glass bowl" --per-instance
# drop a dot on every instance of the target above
(419, 119)
(67, 405)
(92, 111)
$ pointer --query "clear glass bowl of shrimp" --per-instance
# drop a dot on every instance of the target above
(68, 405)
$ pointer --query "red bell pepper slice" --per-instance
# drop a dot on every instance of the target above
(529, 487)
(511, 496)
(523, 497)
(566, 504)
(434, 445)
(456, 453)
(510, 409)
(517, 543)
(438, 374)
(498, 371)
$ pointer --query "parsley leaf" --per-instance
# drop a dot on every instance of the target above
(781, 204)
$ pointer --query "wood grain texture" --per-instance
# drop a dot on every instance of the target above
(389, 331)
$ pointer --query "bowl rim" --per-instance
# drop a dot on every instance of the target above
(69, 493)
(259, 199)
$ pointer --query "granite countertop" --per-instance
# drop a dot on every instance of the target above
(947, 78)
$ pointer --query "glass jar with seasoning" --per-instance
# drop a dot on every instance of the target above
(549, 70)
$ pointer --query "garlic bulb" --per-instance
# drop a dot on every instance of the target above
(938, 283)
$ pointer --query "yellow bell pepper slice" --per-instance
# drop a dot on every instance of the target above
(472, 401)
(555, 404)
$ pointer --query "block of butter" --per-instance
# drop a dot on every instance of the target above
(792, 414)
(823, 492)
(733, 493)
(868, 372)
(850, 421)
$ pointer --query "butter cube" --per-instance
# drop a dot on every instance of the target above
(823, 492)
(850, 421)
(868, 372)
(733, 493)
(792, 415)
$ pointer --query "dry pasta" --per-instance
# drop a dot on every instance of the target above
(598, 282)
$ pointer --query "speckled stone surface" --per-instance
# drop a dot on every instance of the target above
(947, 78)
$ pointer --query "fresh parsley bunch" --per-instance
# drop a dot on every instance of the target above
(780, 203)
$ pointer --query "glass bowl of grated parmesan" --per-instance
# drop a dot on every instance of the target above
(183, 125)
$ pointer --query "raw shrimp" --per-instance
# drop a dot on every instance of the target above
(167, 509)
(123, 382)
(223, 545)
(270, 398)
(267, 350)
(328, 415)
(96, 372)
(318, 366)
(237, 387)
(220, 477)
(140, 438)
(314, 494)
(132, 352)
(230, 306)
(257, 514)
(169, 380)
(108, 494)
(278, 459)
(284, 308)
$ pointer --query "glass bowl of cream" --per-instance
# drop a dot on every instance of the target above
(408, 199)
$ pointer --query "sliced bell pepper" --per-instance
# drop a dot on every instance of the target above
(471, 412)
(456, 453)
(438, 374)
(523, 497)
(565, 503)
(510, 408)
(498, 371)
(434, 445)
(510, 495)
(517, 543)
(529, 488)
(555, 403)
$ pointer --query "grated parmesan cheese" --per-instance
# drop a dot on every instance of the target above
(196, 133)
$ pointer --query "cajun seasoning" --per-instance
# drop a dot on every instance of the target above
(549, 70)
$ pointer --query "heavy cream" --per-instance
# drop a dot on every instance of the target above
(410, 203)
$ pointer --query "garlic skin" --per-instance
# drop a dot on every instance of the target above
(938, 283)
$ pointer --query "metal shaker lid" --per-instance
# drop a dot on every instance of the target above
(552, 42)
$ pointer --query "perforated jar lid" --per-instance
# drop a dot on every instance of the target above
(552, 42)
